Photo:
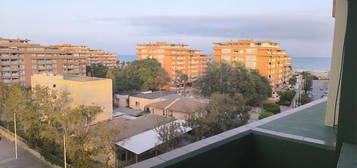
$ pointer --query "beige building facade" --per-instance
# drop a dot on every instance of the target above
(20, 59)
(82, 90)
(174, 58)
(141, 100)
(264, 56)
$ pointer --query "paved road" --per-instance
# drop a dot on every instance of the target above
(298, 89)
(25, 159)
(319, 87)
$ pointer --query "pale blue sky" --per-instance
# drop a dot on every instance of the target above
(303, 27)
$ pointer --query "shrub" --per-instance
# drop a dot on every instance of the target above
(305, 99)
(286, 97)
(272, 107)
(265, 115)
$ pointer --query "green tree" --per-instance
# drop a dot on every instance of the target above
(47, 119)
(96, 70)
(308, 81)
(141, 75)
(111, 75)
(293, 80)
(286, 97)
(223, 112)
(271, 107)
(226, 79)
(169, 134)
(304, 99)
(181, 78)
(265, 114)
(102, 141)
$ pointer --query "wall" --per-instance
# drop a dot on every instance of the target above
(121, 100)
(338, 42)
(232, 152)
(143, 102)
(277, 152)
(92, 92)
(96, 92)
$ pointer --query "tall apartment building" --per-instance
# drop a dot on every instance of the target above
(175, 57)
(264, 56)
(19, 59)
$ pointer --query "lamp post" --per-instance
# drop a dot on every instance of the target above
(15, 131)
(64, 150)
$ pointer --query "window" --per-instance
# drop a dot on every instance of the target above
(226, 50)
(250, 64)
(251, 51)
(226, 58)
(251, 58)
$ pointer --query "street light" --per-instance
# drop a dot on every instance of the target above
(15, 131)
(64, 150)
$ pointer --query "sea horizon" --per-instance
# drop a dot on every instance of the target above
(315, 64)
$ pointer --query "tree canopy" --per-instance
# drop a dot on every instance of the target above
(226, 79)
(96, 70)
(140, 75)
(308, 81)
(223, 112)
(45, 118)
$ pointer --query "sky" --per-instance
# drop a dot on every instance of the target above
(304, 28)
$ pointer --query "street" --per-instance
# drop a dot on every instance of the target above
(319, 88)
(25, 159)
(298, 89)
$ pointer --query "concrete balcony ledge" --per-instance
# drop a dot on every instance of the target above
(272, 127)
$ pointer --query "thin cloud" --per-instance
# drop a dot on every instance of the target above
(262, 27)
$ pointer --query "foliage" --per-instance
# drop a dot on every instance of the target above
(265, 114)
(286, 97)
(271, 107)
(222, 113)
(304, 99)
(102, 142)
(181, 77)
(140, 75)
(45, 117)
(293, 80)
(96, 70)
(308, 80)
(168, 134)
(223, 78)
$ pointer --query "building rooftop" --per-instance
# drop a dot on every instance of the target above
(147, 140)
(158, 94)
(184, 104)
(81, 78)
(131, 127)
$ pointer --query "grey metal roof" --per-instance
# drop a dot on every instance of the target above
(154, 95)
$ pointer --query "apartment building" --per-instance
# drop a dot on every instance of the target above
(174, 58)
(265, 56)
(19, 59)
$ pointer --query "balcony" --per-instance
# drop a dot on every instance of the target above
(295, 138)
(304, 137)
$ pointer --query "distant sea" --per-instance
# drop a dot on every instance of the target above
(317, 64)
(127, 57)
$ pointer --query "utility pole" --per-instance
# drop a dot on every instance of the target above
(64, 150)
(15, 131)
